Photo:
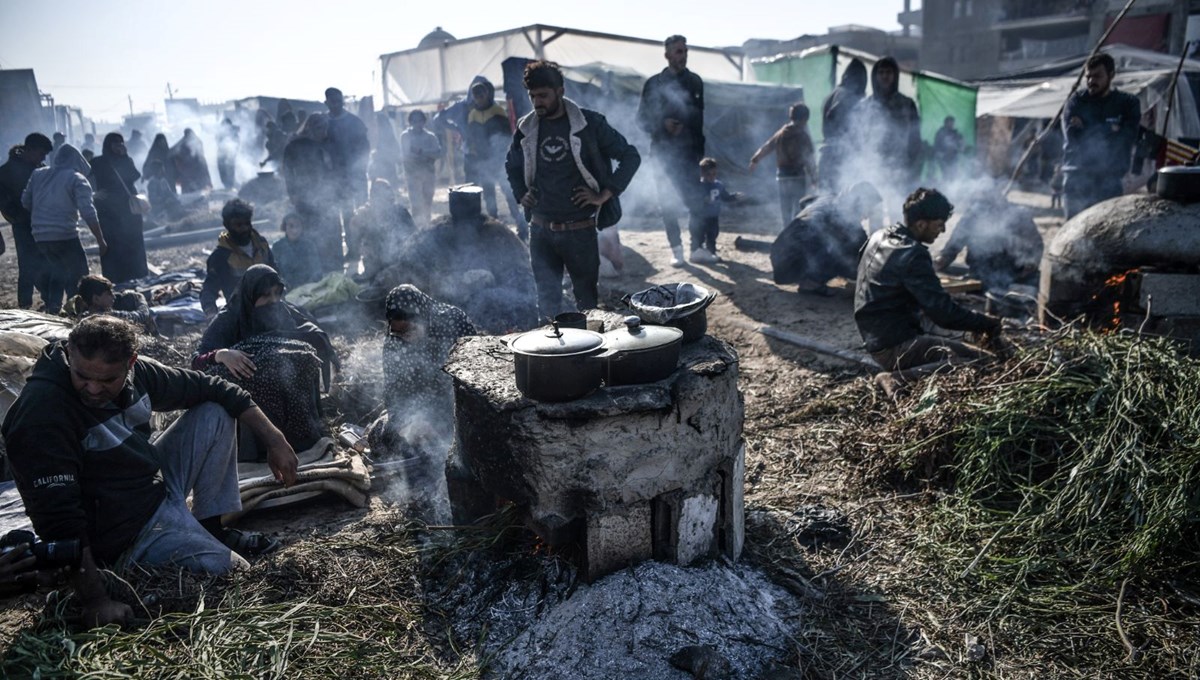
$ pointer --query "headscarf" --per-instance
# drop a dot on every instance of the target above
(123, 165)
(159, 151)
(241, 320)
(406, 302)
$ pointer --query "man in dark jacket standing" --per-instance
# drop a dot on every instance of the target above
(896, 283)
(836, 125)
(78, 441)
(14, 175)
(672, 113)
(889, 127)
(349, 153)
(560, 164)
(1100, 126)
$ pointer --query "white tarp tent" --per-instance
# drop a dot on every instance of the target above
(435, 74)
(1139, 72)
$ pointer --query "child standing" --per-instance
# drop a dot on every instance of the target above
(419, 149)
(705, 226)
(295, 256)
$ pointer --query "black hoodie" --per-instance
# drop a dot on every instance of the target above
(91, 473)
(895, 121)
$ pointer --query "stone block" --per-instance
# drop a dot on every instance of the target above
(1170, 294)
(697, 527)
(731, 536)
(617, 539)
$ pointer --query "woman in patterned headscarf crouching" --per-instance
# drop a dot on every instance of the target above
(418, 394)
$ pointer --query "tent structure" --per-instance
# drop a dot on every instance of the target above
(738, 117)
(1040, 93)
(430, 75)
(819, 69)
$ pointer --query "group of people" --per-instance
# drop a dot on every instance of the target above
(79, 438)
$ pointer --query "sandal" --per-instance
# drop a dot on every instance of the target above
(249, 543)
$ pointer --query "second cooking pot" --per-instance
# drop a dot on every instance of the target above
(640, 353)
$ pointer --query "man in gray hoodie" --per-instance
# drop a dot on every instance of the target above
(56, 197)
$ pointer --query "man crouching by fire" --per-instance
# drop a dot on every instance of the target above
(896, 282)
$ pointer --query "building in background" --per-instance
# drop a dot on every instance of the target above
(973, 39)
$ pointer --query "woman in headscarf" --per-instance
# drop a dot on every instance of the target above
(274, 351)
(113, 177)
(191, 166)
(418, 394)
(160, 152)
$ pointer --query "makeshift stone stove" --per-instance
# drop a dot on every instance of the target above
(627, 473)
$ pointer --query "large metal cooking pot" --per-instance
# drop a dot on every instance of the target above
(640, 353)
(1179, 183)
(558, 364)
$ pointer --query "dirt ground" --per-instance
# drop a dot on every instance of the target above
(876, 610)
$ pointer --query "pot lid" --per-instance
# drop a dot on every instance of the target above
(555, 341)
(636, 336)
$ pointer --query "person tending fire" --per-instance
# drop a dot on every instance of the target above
(896, 282)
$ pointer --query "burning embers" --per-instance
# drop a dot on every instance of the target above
(1153, 300)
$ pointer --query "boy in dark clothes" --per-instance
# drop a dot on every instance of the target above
(705, 225)
(296, 257)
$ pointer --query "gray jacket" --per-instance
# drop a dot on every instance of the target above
(57, 196)
(896, 282)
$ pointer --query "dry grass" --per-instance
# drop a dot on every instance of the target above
(1045, 508)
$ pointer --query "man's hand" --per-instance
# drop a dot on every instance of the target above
(940, 263)
(280, 457)
(102, 245)
(672, 126)
(1075, 122)
(237, 361)
(283, 461)
(753, 164)
(104, 611)
(528, 200)
(16, 571)
(584, 196)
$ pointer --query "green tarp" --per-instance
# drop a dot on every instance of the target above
(814, 70)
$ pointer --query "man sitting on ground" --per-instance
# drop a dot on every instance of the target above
(239, 247)
(896, 282)
(97, 296)
(78, 442)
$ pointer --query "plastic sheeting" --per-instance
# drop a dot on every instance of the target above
(436, 74)
(936, 96)
(1044, 97)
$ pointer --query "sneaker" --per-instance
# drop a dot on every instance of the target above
(248, 543)
(676, 256)
(702, 256)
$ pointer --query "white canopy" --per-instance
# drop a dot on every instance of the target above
(435, 74)
(1147, 75)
